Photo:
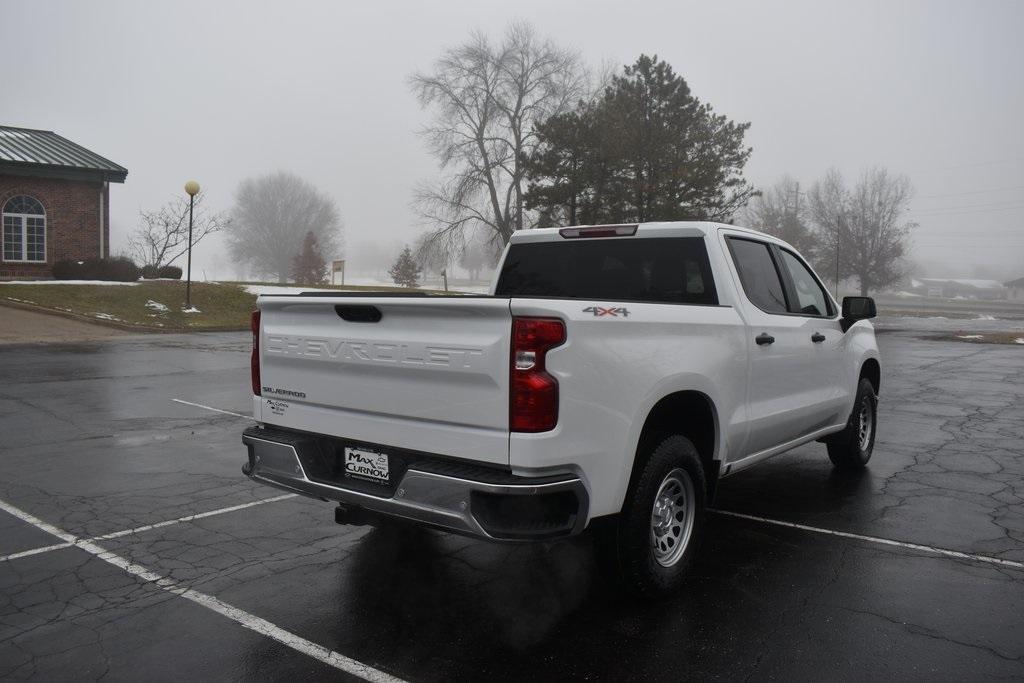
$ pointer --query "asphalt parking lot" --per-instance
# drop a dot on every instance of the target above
(132, 547)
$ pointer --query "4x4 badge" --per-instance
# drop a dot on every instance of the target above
(600, 311)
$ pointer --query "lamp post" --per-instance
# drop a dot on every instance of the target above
(192, 188)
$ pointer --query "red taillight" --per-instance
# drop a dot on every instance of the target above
(533, 393)
(255, 359)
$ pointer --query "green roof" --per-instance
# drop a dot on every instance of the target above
(24, 151)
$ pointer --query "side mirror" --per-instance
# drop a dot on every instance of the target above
(857, 308)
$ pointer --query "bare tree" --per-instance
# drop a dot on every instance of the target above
(485, 100)
(272, 216)
(478, 253)
(431, 256)
(864, 230)
(162, 235)
(781, 211)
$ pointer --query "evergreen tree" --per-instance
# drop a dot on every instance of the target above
(405, 272)
(308, 266)
(570, 171)
(646, 150)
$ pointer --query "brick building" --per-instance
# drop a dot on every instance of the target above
(54, 200)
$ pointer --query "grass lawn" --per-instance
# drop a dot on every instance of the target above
(155, 304)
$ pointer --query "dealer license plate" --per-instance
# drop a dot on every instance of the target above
(362, 463)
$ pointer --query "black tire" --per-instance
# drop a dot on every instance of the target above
(628, 540)
(851, 448)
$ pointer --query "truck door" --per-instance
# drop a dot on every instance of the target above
(789, 385)
(810, 301)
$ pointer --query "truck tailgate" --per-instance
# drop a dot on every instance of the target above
(431, 374)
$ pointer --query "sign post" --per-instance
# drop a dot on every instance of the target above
(338, 267)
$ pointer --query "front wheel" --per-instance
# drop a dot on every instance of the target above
(651, 543)
(852, 447)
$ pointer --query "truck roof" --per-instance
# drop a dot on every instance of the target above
(661, 228)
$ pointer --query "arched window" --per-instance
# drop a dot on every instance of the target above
(24, 230)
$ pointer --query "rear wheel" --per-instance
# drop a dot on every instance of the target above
(852, 447)
(652, 542)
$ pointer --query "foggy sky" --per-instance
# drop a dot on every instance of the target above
(219, 91)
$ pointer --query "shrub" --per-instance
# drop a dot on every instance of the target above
(169, 272)
(150, 272)
(117, 269)
(68, 270)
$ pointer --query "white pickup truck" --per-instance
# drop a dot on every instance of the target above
(610, 379)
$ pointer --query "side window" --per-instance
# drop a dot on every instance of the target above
(757, 272)
(810, 298)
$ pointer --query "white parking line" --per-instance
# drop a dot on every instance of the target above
(35, 551)
(239, 616)
(216, 410)
(875, 539)
(147, 527)
(190, 518)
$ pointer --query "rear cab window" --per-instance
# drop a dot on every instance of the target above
(648, 269)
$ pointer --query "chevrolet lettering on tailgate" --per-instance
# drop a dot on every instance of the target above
(373, 352)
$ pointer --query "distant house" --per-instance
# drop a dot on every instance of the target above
(54, 199)
(959, 288)
(1015, 289)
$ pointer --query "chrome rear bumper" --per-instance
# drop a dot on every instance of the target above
(486, 504)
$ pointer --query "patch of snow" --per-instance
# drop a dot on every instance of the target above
(907, 295)
(983, 316)
(283, 289)
(20, 301)
(970, 282)
(433, 283)
(1019, 340)
(191, 309)
(68, 282)
(938, 317)
(156, 306)
(970, 336)
(106, 316)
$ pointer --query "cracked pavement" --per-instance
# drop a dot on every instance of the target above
(93, 444)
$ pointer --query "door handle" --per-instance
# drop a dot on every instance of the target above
(817, 337)
(764, 338)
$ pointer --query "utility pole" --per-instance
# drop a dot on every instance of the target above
(839, 229)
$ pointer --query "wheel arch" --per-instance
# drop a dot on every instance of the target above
(689, 413)
(872, 370)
